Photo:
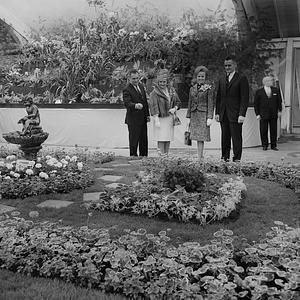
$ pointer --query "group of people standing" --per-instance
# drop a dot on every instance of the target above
(229, 99)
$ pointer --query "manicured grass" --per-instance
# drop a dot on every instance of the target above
(265, 202)
(19, 287)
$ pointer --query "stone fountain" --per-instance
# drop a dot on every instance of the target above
(32, 136)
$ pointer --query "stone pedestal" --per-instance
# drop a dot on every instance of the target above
(29, 144)
(30, 153)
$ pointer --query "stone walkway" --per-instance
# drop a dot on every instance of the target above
(111, 182)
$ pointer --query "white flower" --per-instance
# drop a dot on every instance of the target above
(12, 173)
(34, 214)
(103, 36)
(7, 177)
(80, 166)
(205, 87)
(44, 175)
(67, 157)
(48, 157)
(17, 175)
(58, 164)
(64, 162)
(38, 159)
(11, 157)
(74, 158)
(15, 213)
(122, 32)
(9, 166)
(38, 165)
(29, 172)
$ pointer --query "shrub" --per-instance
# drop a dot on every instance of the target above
(189, 176)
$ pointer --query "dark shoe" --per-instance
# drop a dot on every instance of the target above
(275, 149)
(265, 148)
(225, 159)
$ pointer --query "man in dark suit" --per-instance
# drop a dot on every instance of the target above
(231, 106)
(137, 115)
(267, 106)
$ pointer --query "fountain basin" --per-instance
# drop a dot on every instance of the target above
(25, 141)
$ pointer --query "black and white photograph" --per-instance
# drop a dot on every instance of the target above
(149, 149)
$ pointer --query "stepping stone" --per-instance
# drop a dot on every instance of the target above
(55, 203)
(114, 185)
(5, 208)
(121, 165)
(111, 178)
(89, 197)
(103, 169)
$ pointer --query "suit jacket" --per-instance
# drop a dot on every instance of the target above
(232, 98)
(201, 101)
(131, 97)
(159, 103)
(267, 108)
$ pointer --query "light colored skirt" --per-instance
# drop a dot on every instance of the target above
(164, 133)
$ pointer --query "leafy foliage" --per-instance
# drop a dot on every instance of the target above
(286, 174)
(188, 176)
(59, 174)
(143, 265)
(216, 199)
(70, 61)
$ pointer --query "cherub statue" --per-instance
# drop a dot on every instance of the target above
(32, 118)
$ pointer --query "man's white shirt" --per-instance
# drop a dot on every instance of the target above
(268, 90)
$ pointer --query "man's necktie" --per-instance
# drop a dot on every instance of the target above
(138, 89)
(227, 79)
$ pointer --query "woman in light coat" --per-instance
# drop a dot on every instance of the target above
(200, 109)
(163, 104)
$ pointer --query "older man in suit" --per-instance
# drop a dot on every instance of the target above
(231, 106)
(137, 115)
(267, 106)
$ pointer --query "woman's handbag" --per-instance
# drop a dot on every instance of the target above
(187, 136)
(176, 120)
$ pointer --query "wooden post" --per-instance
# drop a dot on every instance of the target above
(288, 81)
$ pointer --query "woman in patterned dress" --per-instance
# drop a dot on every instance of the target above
(163, 104)
(200, 109)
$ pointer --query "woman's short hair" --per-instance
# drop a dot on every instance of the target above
(133, 71)
(162, 74)
(200, 69)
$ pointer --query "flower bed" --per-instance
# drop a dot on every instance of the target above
(144, 265)
(180, 191)
(286, 174)
(20, 178)
(47, 175)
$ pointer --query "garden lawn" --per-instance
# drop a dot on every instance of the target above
(19, 287)
(265, 202)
